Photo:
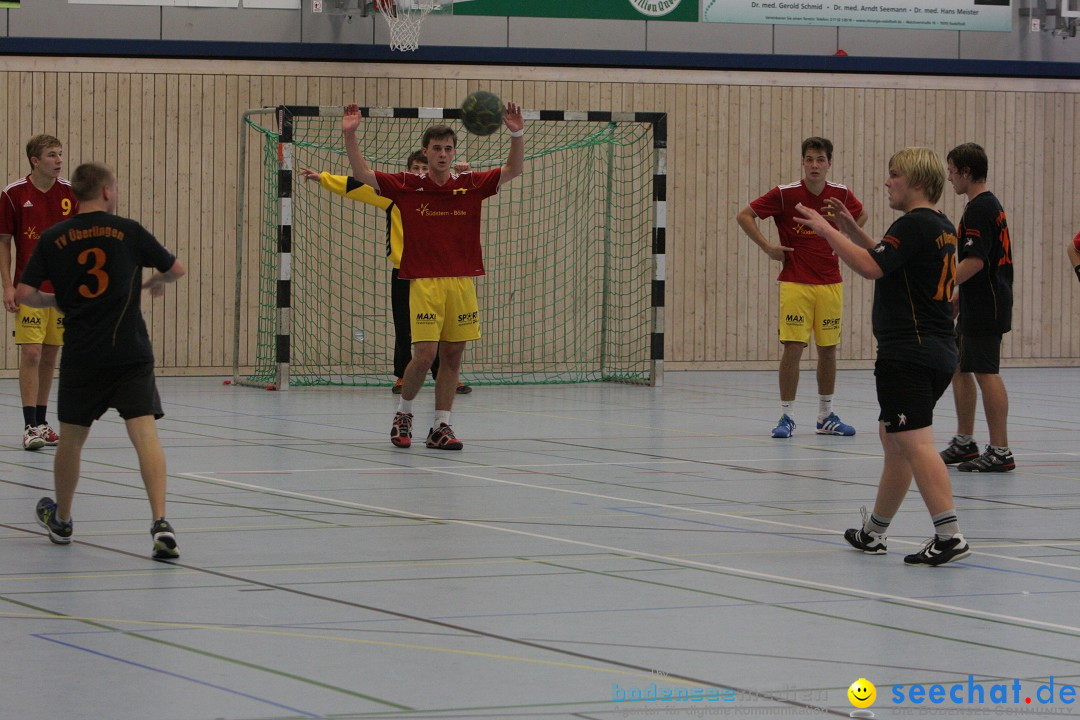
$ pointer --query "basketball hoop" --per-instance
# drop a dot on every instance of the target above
(404, 18)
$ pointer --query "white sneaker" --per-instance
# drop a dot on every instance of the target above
(32, 439)
(46, 433)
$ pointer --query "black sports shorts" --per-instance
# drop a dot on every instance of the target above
(907, 394)
(979, 353)
(86, 393)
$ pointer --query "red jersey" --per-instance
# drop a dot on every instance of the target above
(26, 212)
(1076, 242)
(441, 222)
(812, 261)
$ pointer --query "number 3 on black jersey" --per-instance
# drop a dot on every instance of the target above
(95, 257)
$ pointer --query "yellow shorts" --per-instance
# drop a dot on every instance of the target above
(39, 326)
(444, 309)
(811, 307)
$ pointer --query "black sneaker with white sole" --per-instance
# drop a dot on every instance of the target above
(938, 552)
(871, 543)
(957, 453)
(164, 536)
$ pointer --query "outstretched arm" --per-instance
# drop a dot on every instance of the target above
(156, 282)
(515, 160)
(850, 226)
(360, 168)
(854, 256)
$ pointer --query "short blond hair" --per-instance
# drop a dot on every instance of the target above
(923, 168)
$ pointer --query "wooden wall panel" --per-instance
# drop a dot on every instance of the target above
(172, 131)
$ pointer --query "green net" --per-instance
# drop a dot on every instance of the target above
(567, 249)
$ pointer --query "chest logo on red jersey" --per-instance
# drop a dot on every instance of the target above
(426, 211)
(28, 204)
(33, 234)
(460, 191)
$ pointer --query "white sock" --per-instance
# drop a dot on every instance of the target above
(824, 408)
(441, 416)
(785, 407)
(404, 406)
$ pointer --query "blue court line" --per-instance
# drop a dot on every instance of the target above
(177, 675)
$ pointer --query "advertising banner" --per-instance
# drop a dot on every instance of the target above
(985, 15)
(684, 10)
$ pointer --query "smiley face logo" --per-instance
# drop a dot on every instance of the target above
(862, 693)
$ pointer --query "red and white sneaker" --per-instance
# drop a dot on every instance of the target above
(401, 430)
(47, 434)
(443, 438)
(31, 440)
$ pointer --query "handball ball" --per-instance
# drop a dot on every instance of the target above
(482, 113)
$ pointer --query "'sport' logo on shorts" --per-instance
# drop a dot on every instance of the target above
(467, 318)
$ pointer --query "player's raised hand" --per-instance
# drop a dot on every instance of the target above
(836, 211)
(461, 166)
(309, 174)
(513, 119)
(812, 219)
(350, 121)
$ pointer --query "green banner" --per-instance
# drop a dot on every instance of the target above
(9, 3)
(684, 10)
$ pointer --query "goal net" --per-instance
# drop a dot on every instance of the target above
(573, 250)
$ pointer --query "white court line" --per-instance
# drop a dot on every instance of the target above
(627, 463)
(653, 556)
(700, 511)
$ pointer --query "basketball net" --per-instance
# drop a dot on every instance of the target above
(404, 18)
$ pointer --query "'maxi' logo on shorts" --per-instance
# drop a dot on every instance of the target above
(425, 317)
(793, 318)
(467, 317)
(28, 320)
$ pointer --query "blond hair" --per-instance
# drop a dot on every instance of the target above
(923, 168)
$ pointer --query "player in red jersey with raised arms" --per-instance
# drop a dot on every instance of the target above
(440, 214)
(28, 207)
(811, 289)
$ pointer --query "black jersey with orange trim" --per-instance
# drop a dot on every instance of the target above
(986, 298)
(95, 263)
(912, 315)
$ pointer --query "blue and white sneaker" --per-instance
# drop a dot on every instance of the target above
(833, 425)
(59, 532)
(785, 427)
